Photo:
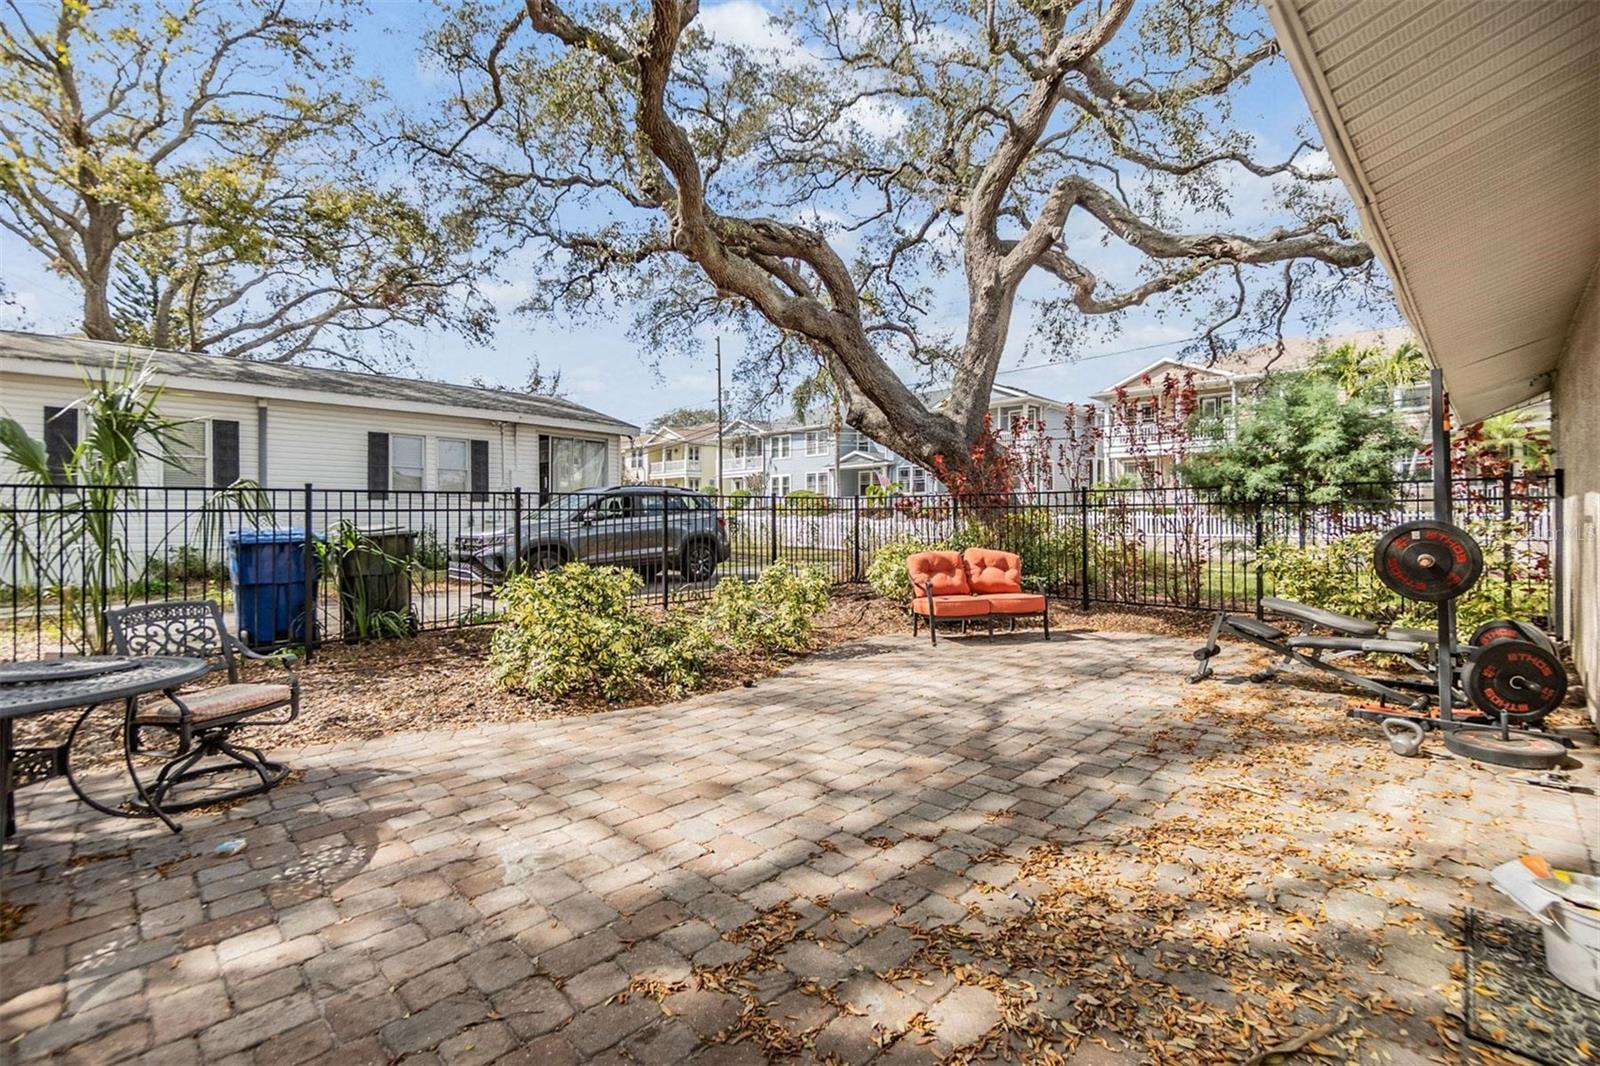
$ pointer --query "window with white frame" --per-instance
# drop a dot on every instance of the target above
(694, 454)
(780, 485)
(780, 447)
(817, 482)
(406, 462)
(816, 442)
(576, 464)
(455, 467)
(185, 463)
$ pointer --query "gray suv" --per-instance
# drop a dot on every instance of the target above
(622, 525)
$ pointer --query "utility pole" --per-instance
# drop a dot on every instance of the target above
(719, 416)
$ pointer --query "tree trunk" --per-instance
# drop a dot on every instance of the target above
(100, 246)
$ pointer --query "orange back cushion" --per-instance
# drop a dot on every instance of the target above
(943, 571)
(992, 571)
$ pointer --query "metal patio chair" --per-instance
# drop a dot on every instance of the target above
(204, 722)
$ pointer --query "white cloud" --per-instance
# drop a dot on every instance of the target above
(745, 24)
(877, 116)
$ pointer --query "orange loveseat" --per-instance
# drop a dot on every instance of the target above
(976, 583)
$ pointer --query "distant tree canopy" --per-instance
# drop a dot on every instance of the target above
(679, 417)
(1303, 434)
(206, 175)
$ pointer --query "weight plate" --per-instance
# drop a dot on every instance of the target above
(1534, 635)
(1428, 561)
(1515, 678)
(1496, 629)
(1518, 750)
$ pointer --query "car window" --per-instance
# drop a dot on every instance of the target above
(647, 503)
(684, 503)
(611, 507)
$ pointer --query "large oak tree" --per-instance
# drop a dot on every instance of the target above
(829, 188)
(205, 174)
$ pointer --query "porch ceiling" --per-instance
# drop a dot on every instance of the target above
(1469, 136)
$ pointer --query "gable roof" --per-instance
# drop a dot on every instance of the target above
(1252, 364)
(245, 374)
(700, 433)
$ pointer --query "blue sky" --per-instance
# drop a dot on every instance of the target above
(603, 368)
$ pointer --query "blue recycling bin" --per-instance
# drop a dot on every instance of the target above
(267, 569)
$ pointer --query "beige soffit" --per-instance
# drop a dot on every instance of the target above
(1469, 136)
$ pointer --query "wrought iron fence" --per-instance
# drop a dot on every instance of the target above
(402, 561)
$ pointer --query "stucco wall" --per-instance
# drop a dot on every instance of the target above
(1577, 439)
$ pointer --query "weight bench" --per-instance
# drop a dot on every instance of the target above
(1352, 636)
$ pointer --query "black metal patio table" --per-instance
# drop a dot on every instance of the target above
(91, 681)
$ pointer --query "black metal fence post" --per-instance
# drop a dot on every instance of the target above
(515, 563)
(1300, 510)
(1506, 559)
(666, 554)
(772, 526)
(1558, 561)
(1083, 544)
(1260, 577)
(309, 564)
(855, 539)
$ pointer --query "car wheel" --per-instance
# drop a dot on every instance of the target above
(544, 559)
(699, 560)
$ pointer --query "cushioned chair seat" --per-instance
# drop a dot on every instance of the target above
(210, 704)
(1014, 602)
(952, 606)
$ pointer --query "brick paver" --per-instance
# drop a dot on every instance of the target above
(852, 859)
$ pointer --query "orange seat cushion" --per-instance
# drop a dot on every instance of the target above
(224, 701)
(952, 606)
(1013, 602)
(992, 571)
(944, 572)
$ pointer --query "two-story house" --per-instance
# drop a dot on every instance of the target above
(784, 456)
(687, 456)
(1140, 430)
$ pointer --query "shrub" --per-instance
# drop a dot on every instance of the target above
(679, 651)
(807, 502)
(1047, 548)
(887, 571)
(1339, 576)
(570, 631)
(772, 613)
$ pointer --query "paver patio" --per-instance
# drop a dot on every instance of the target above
(885, 853)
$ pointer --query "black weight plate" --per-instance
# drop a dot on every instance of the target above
(1534, 635)
(1496, 629)
(1428, 561)
(1518, 750)
(1516, 678)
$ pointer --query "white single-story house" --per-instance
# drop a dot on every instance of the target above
(1469, 138)
(285, 426)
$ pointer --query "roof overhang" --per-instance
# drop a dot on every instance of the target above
(1468, 136)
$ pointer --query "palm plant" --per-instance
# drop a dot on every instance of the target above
(66, 527)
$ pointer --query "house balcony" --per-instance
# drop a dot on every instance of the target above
(1147, 438)
(740, 465)
(676, 468)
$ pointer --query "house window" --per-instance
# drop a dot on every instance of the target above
(185, 464)
(780, 485)
(576, 464)
(780, 447)
(60, 440)
(694, 455)
(670, 454)
(817, 482)
(694, 483)
(454, 469)
(405, 462)
(816, 442)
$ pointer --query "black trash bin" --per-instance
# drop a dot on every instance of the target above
(375, 582)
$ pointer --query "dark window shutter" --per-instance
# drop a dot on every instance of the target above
(60, 439)
(378, 465)
(224, 452)
(480, 470)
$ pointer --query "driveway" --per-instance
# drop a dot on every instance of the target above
(888, 853)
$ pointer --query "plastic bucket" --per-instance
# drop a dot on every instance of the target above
(1572, 947)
